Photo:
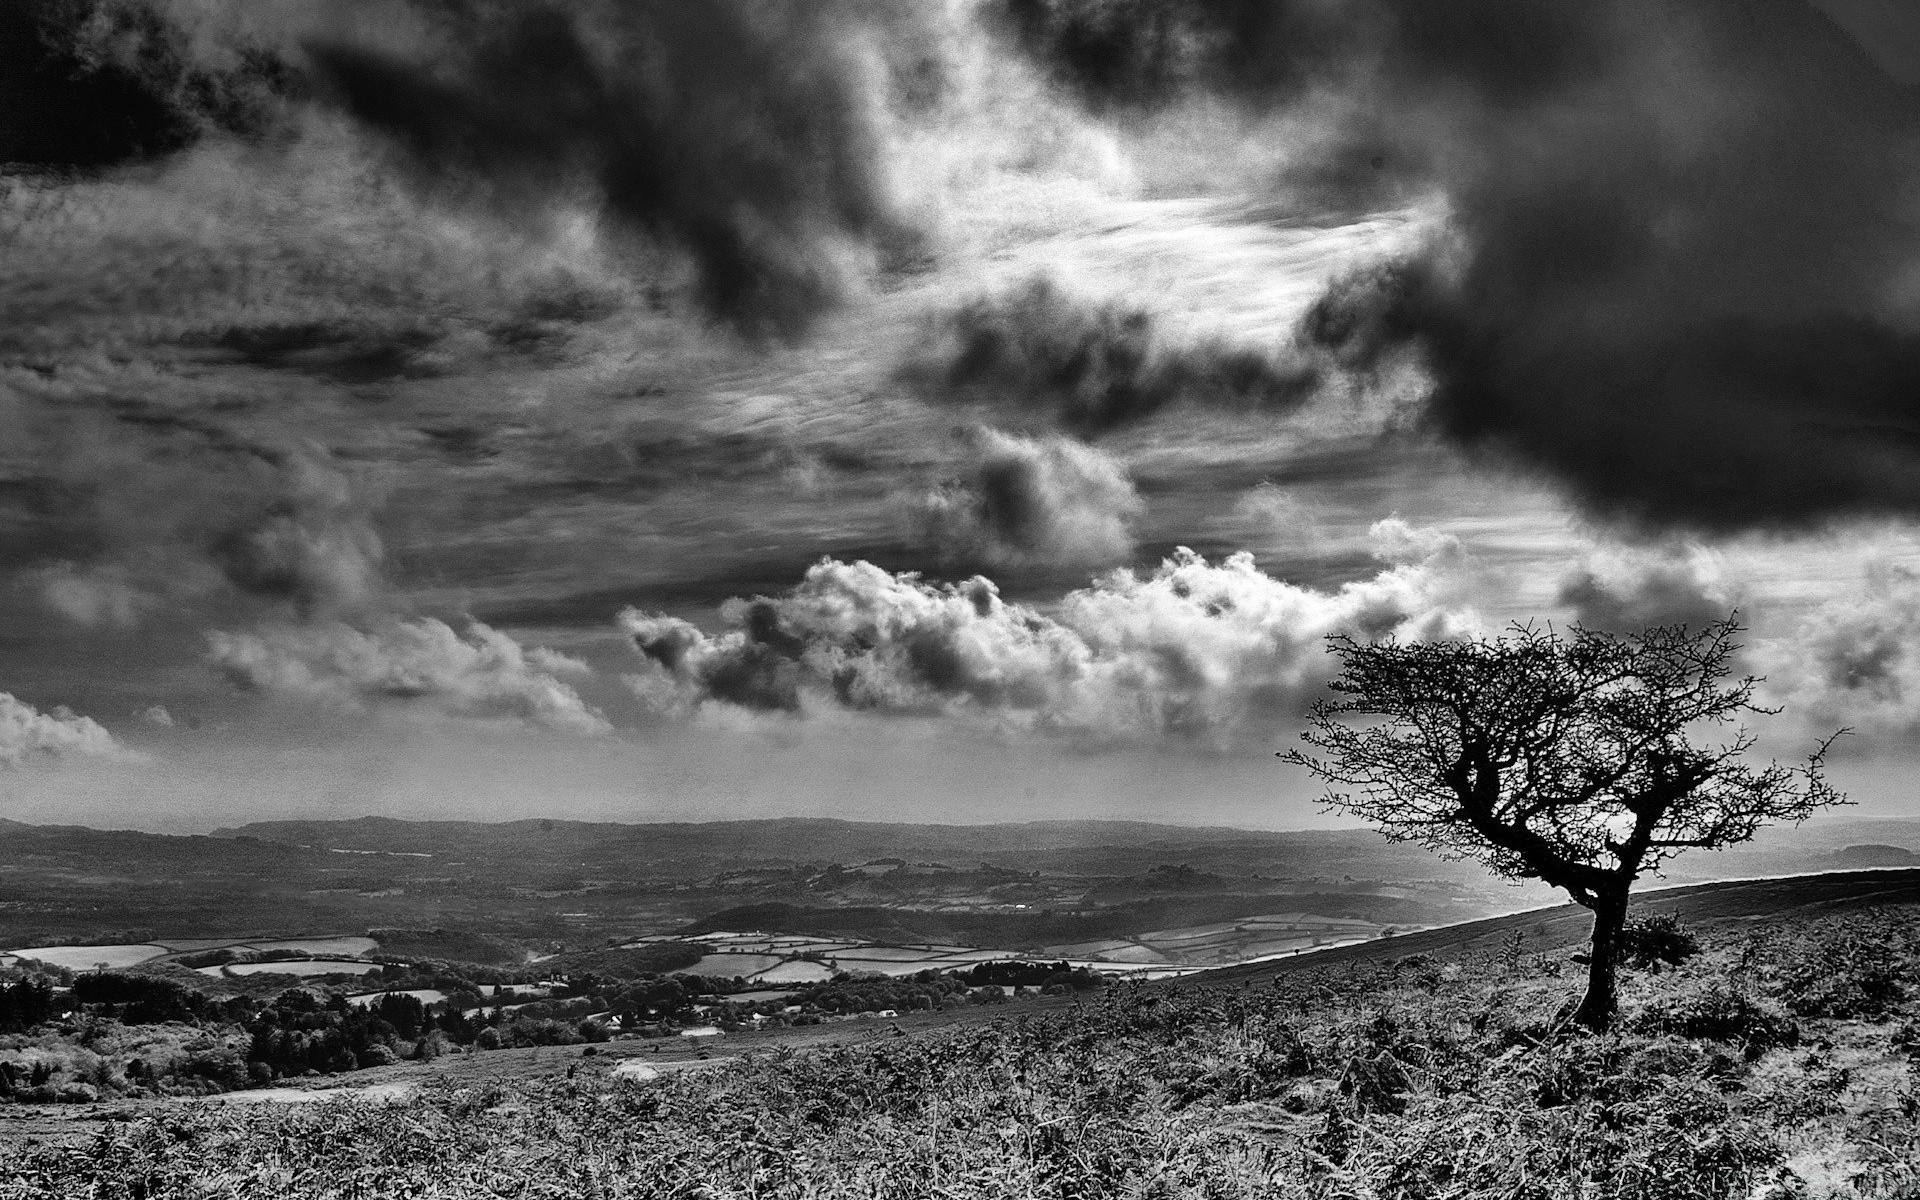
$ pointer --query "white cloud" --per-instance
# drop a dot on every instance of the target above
(1208, 654)
(1052, 501)
(27, 733)
(1855, 661)
(414, 665)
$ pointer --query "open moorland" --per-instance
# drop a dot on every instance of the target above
(1776, 1058)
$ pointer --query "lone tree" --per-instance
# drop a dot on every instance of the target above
(1583, 760)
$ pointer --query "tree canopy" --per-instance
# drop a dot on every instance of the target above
(1584, 758)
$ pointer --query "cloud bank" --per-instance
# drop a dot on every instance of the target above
(1197, 654)
(26, 734)
(1091, 367)
(744, 134)
(1681, 269)
(414, 666)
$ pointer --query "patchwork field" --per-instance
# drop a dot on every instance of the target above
(423, 995)
(305, 968)
(328, 947)
(87, 958)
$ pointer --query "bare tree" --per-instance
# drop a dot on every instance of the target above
(1583, 759)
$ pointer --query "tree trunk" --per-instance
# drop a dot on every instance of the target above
(1609, 918)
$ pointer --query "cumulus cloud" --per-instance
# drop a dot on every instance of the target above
(1092, 367)
(1194, 653)
(419, 665)
(1050, 502)
(26, 734)
(1625, 590)
(1679, 270)
(1395, 539)
(1855, 661)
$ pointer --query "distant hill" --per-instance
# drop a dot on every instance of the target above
(1566, 926)
(1874, 855)
(783, 838)
(538, 886)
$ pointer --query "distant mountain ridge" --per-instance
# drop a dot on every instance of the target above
(784, 838)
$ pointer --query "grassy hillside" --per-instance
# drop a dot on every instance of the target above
(1779, 1062)
(1760, 901)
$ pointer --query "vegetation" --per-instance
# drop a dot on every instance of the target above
(1421, 1077)
(148, 1033)
(1569, 759)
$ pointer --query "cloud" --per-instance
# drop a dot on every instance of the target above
(418, 665)
(1050, 501)
(157, 716)
(1626, 590)
(114, 523)
(26, 734)
(1215, 655)
(1680, 275)
(735, 145)
(1855, 661)
(1091, 367)
(744, 134)
(95, 83)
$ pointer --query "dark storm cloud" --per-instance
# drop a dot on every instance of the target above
(93, 83)
(1093, 367)
(1681, 276)
(741, 133)
(744, 135)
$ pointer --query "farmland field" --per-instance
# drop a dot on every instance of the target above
(883, 966)
(799, 971)
(303, 967)
(726, 966)
(86, 958)
(330, 946)
(423, 995)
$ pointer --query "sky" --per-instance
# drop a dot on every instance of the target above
(934, 410)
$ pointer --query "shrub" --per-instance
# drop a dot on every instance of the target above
(1857, 968)
(1719, 1012)
(1650, 942)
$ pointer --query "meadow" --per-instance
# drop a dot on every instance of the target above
(1778, 1061)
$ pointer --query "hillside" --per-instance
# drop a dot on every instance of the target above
(1563, 927)
(1777, 1062)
